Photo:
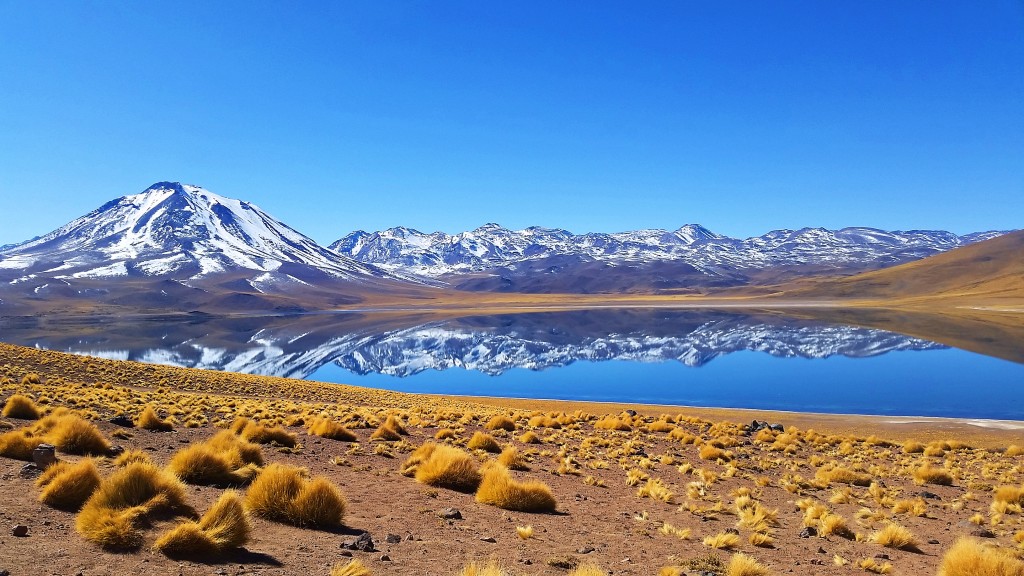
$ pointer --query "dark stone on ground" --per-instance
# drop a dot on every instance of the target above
(362, 543)
(392, 538)
(19, 530)
(30, 470)
(123, 421)
(808, 532)
(451, 514)
(44, 455)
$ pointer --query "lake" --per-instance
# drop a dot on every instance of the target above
(744, 359)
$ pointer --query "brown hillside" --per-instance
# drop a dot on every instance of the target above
(986, 273)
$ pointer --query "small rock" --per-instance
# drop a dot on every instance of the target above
(450, 514)
(410, 537)
(44, 455)
(30, 470)
(19, 530)
(808, 532)
(117, 450)
(732, 531)
(585, 550)
(346, 553)
(123, 421)
(488, 539)
(385, 558)
(933, 541)
(982, 533)
(778, 427)
(631, 413)
(5, 572)
(392, 538)
(882, 556)
(821, 550)
(929, 495)
(362, 543)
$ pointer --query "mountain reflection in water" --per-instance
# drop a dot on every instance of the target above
(406, 345)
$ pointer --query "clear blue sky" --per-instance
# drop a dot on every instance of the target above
(332, 116)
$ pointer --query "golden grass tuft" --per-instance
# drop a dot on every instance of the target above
(612, 423)
(355, 567)
(588, 569)
(21, 407)
(722, 541)
(202, 464)
(284, 494)
(131, 456)
(842, 476)
(67, 486)
(18, 444)
(444, 434)
(969, 557)
(484, 441)
(492, 568)
(71, 434)
(524, 532)
(530, 437)
(1014, 450)
(870, 565)
(111, 515)
(501, 422)
(261, 434)
(512, 459)
(709, 452)
(928, 474)
(498, 488)
(743, 565)
(225, 526)
(149, 420)
(326, 428)
(895, 536)
(443, 467)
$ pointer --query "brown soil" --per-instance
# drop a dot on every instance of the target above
(621, 528)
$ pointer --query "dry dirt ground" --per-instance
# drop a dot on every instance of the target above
(601, 518)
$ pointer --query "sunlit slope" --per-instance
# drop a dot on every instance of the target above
(989, 273)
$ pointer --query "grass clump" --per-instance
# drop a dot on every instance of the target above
(112, 515)
(261, 434)
(501, 422)
(331, 430)
(722, 541)
(843, 476)
(969, 557)
(224, 459)
(67, 486)
(928, 474)
(71, 434)
(512, 459)
(225, 526)
(21, 407)
(743, 565)
(355, 567)
(18, 444)
(492, 568)
(895, 536)
(498, 488)
(149, 420)
(443, 467)
(285, 494)
(484, 441)
(391, 430)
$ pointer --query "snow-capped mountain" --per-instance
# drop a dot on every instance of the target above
(536, 250)
(183, 232)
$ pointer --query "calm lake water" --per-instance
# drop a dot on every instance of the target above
(658, 356)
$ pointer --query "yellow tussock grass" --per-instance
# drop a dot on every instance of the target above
(611, 423)
(21, 407)
(111, 515)
(225, 526)
(149, 420)
(511, 459)
(524, 532)
(261, 434)
(743, 565)
(71, 434)
(762, 539)
(444, 434)
(326, 428)
(969, 557)
(928, 474)
(655, 489)
(130, 457)
(354, 568)
(709, 452)
(67, 486)
(285, 494)
(501, 422)
(1015, 450)
(843, 476)
(588, 569)
(498, 488)
(484, 441)
(895, 536)
(492, 568)
(722, 541)
(870, 565)
(443, 467)
(18, 444)
(202, 464)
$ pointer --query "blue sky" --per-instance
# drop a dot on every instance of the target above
(742, 116)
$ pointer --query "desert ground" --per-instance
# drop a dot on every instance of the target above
(176, 471)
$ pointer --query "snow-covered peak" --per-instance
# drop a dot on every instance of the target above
(179, 229)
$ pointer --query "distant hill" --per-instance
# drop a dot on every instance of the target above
(988, 273)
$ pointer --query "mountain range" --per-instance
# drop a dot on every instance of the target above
(180, 247)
